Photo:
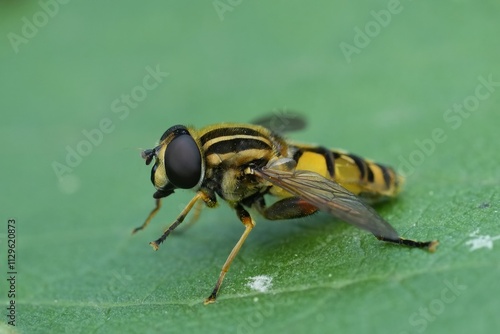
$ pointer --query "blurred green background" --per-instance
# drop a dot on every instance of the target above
(376, 78)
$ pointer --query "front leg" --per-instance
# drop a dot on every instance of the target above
(207, 197)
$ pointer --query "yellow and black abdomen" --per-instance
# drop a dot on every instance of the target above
(372, 181)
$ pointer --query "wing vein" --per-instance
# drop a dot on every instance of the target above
(331, 197)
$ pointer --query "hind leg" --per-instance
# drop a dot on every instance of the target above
(287, 208)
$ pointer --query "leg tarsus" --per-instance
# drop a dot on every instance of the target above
(213, 295)
(431, 246)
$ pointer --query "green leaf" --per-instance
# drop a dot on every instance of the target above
(81, 81)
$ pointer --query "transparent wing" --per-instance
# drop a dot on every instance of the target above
(330, 197)
(282, 121)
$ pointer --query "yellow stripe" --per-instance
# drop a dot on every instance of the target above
(236, 159)
(242, 137)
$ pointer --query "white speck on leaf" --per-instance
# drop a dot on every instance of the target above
(481, 241)
(260, 283)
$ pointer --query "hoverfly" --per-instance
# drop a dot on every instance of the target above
(241, 163)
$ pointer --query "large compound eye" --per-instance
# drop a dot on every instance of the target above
(182, 161)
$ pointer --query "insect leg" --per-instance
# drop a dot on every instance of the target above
(249, 223)
(151, 215)
(430, 245)
(194, 217)
(199, 195)
(287, 208)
